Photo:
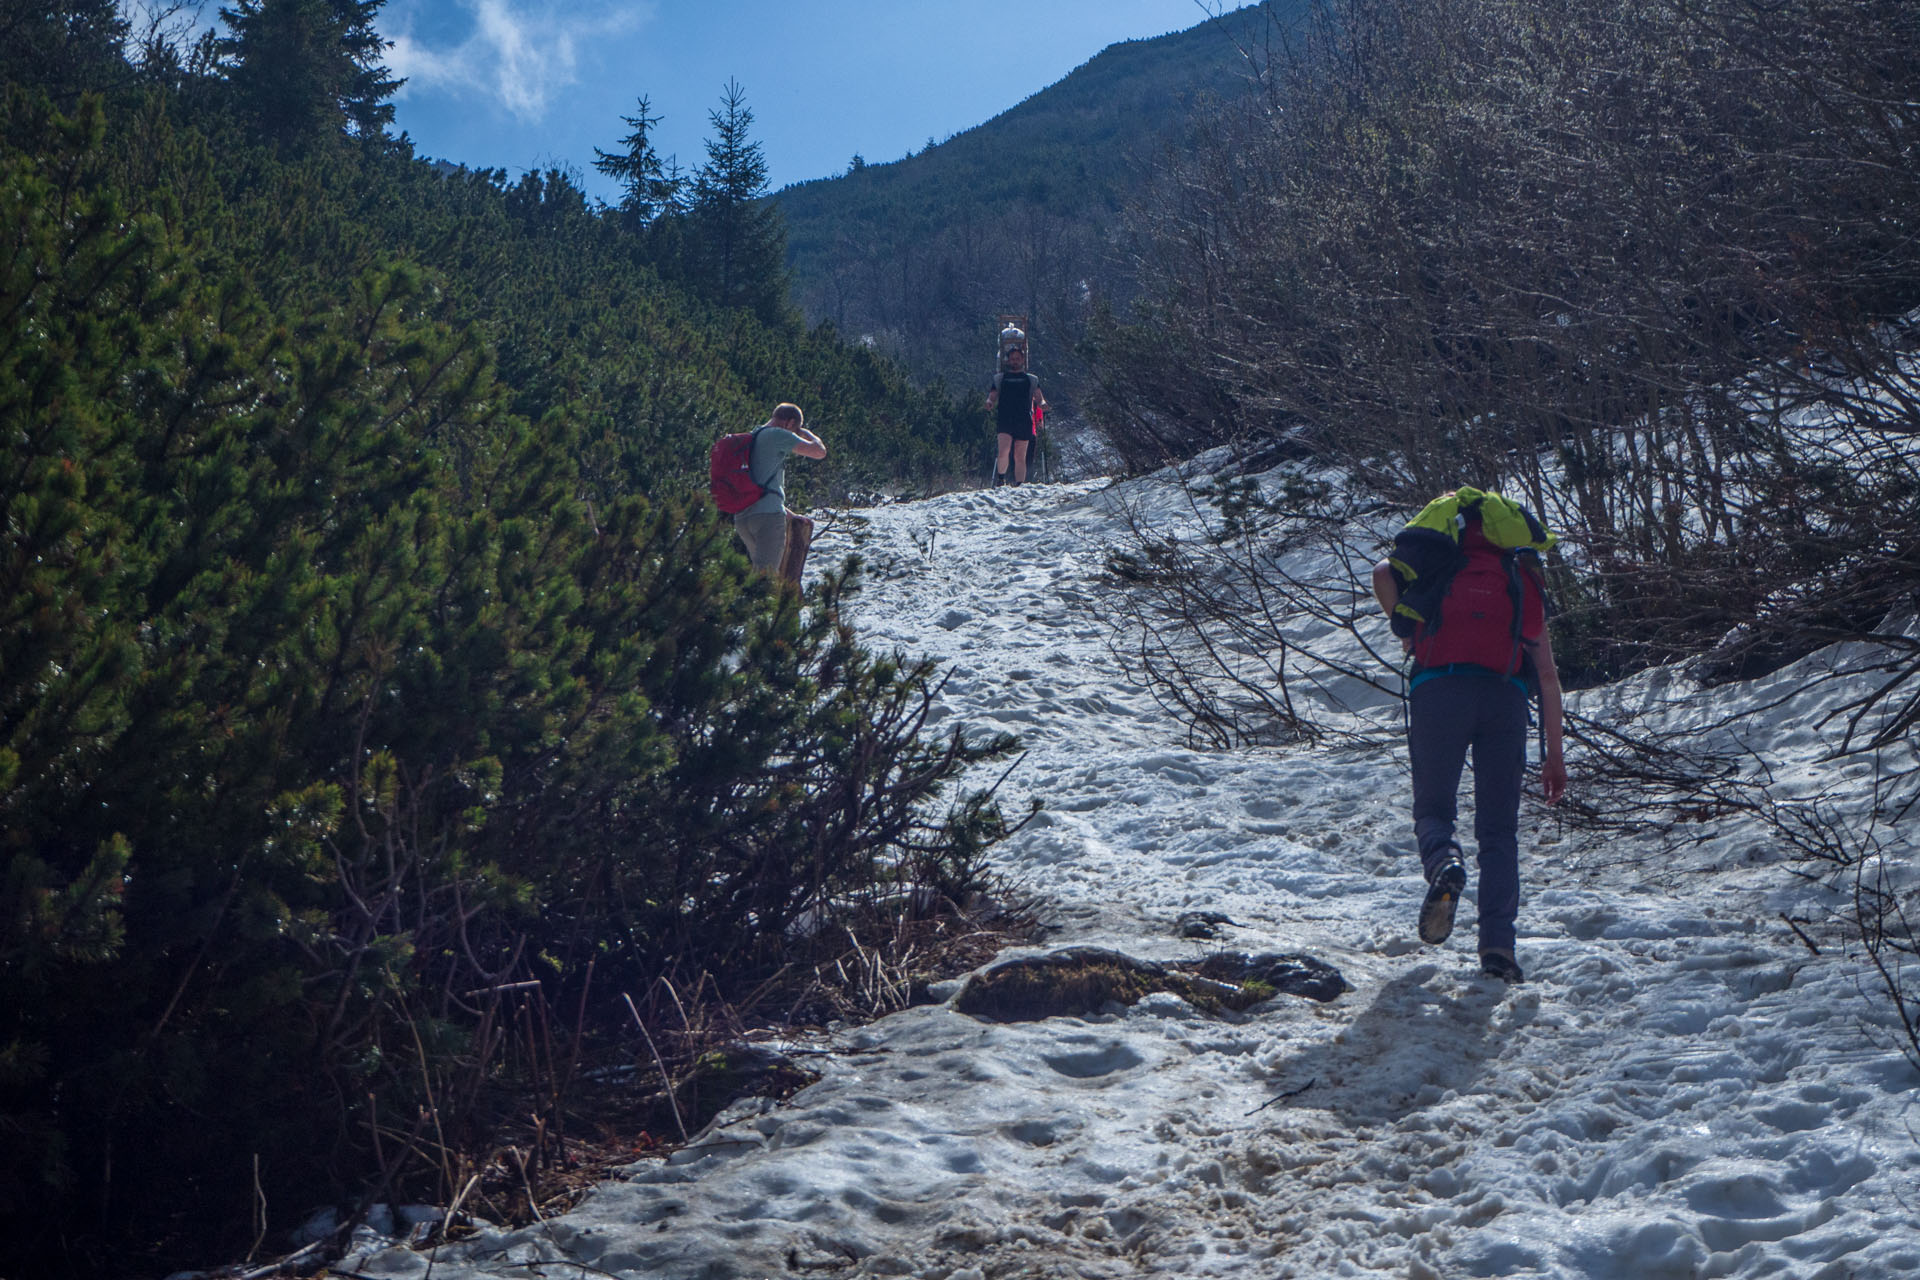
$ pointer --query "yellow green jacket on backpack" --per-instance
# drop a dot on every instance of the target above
(1427, 551)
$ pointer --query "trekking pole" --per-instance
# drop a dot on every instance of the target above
(1040, 465)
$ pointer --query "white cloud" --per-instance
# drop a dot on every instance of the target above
(519, 56)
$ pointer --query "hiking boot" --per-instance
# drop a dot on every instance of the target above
(1443, 897)
(1501, 965)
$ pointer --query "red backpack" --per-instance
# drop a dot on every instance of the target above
(730, 473)
(1481, 616)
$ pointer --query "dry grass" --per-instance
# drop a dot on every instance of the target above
(617, 1109)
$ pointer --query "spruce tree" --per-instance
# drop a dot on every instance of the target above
(739, 241)
(63, 46)
(649, 190)
(301, 69)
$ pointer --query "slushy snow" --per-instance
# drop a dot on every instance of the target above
(1680, 1089)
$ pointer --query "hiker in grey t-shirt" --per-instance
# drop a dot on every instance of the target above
(777, 538)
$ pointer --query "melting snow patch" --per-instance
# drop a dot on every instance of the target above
(1679, 1090)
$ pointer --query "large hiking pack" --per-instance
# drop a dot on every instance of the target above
(730, 473)
(1459, 566)
(1013, 337)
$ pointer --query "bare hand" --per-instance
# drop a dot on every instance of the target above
(1553, 779)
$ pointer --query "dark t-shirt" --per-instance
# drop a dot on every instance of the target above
(1013, 412)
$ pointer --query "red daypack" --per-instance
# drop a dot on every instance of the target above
(1481, 615)
(730, 473)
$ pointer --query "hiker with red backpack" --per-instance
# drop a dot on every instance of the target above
(748, 480)
(1463, 590)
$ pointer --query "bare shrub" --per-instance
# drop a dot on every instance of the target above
(1235, 638)
(1868, 862)
(1609, 257)
(1251, 619)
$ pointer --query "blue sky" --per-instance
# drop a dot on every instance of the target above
(520, 84)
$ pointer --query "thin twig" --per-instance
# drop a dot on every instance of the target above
(283, 1265)
(1291, 1093)
(1799, 933)
(672, 1103)
(259, 1210)
(526, 1185)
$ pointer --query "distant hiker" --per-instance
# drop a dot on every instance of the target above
(776, 538)
(1014, 401)
(1463, 591)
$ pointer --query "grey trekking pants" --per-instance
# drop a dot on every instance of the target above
(1448, 716)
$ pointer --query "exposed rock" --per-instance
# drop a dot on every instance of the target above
(1201, 924)
(1074, 982)
(1082, 981)
(1298, 975)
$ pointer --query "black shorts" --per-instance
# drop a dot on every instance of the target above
(1015, 431)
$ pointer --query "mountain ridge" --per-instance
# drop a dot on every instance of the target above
(1017, 213)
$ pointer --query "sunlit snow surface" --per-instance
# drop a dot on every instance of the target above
(1680, 1089)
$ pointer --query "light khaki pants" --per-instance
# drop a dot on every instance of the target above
(776, 542)
(765, 534)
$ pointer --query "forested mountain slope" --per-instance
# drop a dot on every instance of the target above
(1015, 215)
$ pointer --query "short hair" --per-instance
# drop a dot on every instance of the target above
(789, 413)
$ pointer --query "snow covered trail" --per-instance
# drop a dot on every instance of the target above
(1679, 1090)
